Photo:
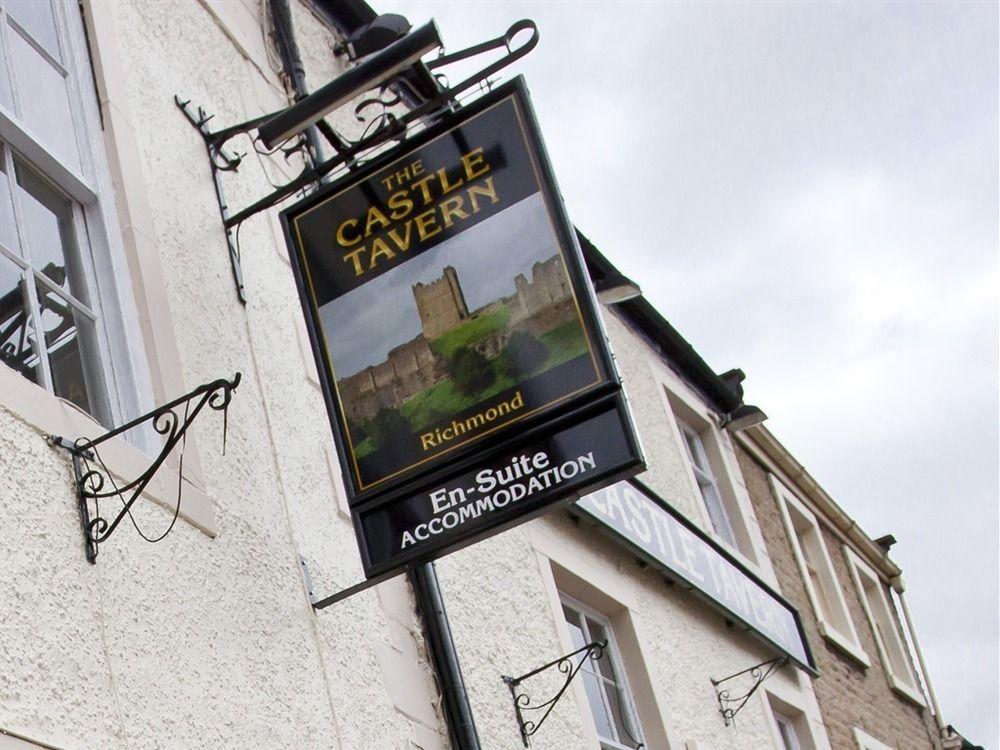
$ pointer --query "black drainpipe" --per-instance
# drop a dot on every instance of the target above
(444, 657)
(423, 578)
(291, 62)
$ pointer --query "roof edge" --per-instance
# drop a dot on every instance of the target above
(641, 313)
(765, 441)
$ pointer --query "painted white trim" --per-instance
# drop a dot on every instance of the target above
(847, 642)
(833, 636)
(906, 684)
(135, 263)
(791, 694)
(867, 742)
(733, 492)
(617, 662)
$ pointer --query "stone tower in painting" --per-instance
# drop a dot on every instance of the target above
(440, 304)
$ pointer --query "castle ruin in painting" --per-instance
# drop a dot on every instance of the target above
(537, 305)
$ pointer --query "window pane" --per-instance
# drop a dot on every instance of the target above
(44, 100)
(599, 633)
(613, 685)
(64, 328)
(17, 347)
(35, 17)
(598, 710)
(717, 513)
(575, 630)
(48, 219)
(689, 444)
(789, 739)
(5, 98)
(8, 232)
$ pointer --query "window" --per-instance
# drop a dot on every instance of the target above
(817, 572)
(52, 329)
(888, 641)
(610, 700)
(47, 323)
(790, 725)
(707, 484)
(867, 742)
(786, 731)
(705, 450)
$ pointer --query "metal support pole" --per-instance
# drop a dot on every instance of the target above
(444, 657)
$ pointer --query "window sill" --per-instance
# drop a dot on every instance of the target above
(53, 416)
(906, 692)
(844, 645)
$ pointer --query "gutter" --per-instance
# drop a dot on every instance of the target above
(760, 439)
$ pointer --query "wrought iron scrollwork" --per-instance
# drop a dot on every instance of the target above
(729, 706)
(94, 482)
(381, 125)
(567, 666)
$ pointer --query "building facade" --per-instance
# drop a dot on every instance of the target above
(117, 295)
(845, 585)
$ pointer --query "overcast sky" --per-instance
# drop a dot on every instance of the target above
(383, 312)
(808, 191)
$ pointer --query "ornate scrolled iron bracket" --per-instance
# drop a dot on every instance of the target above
(380, 126)
(729, 706)
(91, 473)
(565, 665)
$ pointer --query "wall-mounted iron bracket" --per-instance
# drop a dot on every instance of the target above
(564, 664)
(91, 473)
(420, 91)
(729, 705)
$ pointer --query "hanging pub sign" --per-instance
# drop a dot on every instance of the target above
(647, 525)
(465, 371)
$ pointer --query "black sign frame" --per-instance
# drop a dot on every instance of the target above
(604, 393)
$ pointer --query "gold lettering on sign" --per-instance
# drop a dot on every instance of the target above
(417, 201)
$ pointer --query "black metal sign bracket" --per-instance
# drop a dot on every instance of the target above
(91, 474)
(565, 665)
(380, 126)
(729, 705)
(357, 588)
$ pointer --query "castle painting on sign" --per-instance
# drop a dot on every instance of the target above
(442, 298)
(463, 342)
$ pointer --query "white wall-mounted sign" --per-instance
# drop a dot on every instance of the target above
(660, 535)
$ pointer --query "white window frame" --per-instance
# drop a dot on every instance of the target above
(115, 219)
(785, 722)
(627, 707)
(704, 477)
(867, 742)
(844, 637)
(690, 419)
(895, 655)
(124, 392)
(780, 710)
